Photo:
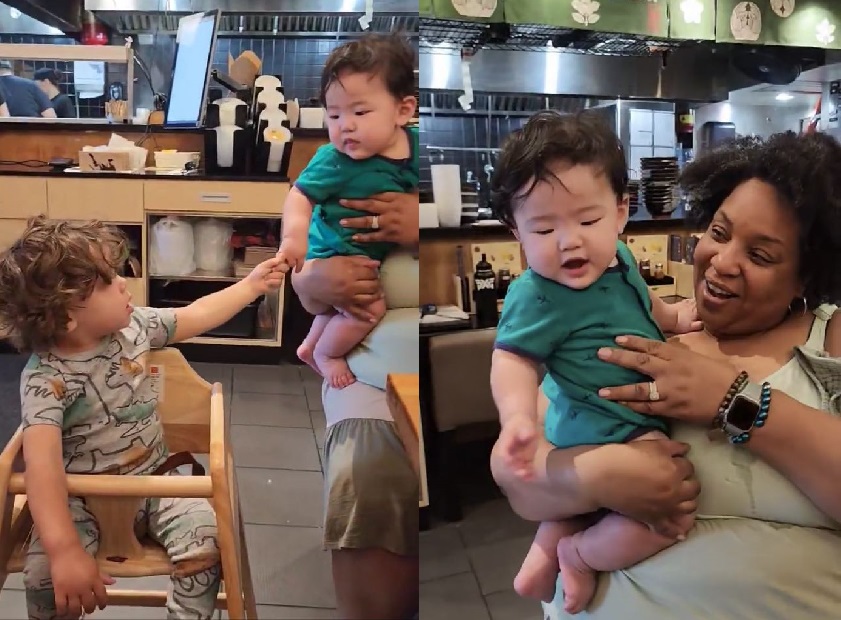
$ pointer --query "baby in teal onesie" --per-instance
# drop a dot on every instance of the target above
(367, 88)
(561, 186)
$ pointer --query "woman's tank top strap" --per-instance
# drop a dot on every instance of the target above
(817, 335)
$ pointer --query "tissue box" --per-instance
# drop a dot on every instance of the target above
(105, 161)
(119, 155)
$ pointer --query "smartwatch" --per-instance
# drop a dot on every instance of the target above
(743, 410)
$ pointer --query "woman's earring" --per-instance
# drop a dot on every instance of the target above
(803, 301)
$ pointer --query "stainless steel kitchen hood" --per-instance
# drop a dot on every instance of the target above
(259, 18)
(66, 15)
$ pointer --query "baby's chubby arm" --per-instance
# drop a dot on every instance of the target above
(514, 384)
(297, 214)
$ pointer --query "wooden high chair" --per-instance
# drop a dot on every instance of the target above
(194, 421)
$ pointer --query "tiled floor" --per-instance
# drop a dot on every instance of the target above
(277, 434)
(466, 569)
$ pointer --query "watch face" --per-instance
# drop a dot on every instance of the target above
(742, 413)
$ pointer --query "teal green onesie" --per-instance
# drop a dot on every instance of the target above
(563, 329)
(331, 176)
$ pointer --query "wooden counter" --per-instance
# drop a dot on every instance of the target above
(403, 395)
(41, 141)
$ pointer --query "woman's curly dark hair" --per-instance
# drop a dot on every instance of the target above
(50, 268)
(806, 172)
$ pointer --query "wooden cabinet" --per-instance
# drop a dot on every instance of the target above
(247, 198)
(10, 230)
(22, 197)
(109, 200)
(137, 288)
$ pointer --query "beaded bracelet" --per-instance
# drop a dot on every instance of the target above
(761, 416)
(738, 383)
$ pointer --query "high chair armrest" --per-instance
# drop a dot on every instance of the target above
(218, 449)
(87, 485)
(12, 450)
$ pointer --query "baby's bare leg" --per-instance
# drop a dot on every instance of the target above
(340, 336)
(537, 576)
(307, 347)
(614, 543)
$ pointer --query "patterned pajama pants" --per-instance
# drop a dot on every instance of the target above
(185, 527)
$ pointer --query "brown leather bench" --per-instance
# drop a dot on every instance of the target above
(461, 397)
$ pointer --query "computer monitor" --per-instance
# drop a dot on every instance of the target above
(194, 46)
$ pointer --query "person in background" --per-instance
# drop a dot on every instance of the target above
(4, 109)
(48, 81)
(23, 97)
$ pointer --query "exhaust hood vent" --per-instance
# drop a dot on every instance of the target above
(436, 102)
(524, 37)
(260, 24)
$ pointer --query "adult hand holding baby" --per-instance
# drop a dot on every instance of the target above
(350, 283)
(394, 218)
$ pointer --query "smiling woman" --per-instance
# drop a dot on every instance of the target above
(775, 194)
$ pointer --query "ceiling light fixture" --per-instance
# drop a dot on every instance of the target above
(784, 97)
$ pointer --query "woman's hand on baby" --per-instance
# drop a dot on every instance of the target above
(518, 445)
(268, 275)
(690, 386)
(686, 321)
(397, 218)
(350, 283)
(77, 582)
(650, 481)
(293, 252)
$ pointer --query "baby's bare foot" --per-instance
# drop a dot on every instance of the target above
(335, 370)
(537, 575)
(305, 354)
(579, 579)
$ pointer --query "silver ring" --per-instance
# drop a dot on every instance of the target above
(653, 394)
(375, 221)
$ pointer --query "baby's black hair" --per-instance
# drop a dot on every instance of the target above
(806, 172)
(528, 153)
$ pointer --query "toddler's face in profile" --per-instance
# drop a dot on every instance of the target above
(569, 225)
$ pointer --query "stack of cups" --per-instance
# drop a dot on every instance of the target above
(446, 188)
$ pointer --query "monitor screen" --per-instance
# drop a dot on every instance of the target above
(194, 46)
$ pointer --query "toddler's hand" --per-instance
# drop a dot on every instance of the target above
(293, 252)
(687, 317)
(77, 582)
(268, 275)
(518, 441)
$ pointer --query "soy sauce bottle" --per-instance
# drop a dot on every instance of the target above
(484, 294)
